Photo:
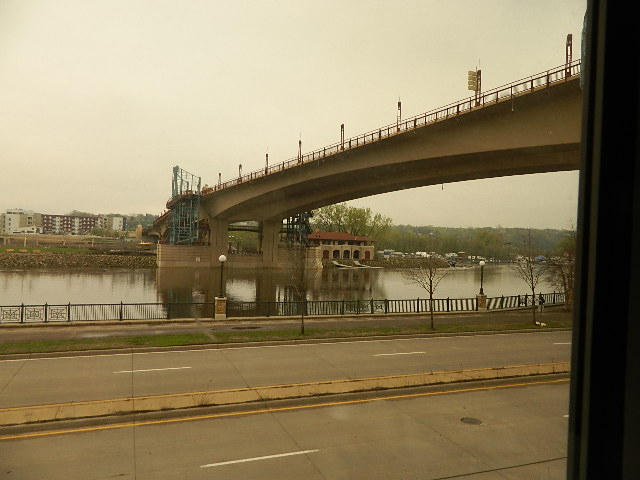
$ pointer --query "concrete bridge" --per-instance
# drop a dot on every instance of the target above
(529, 126)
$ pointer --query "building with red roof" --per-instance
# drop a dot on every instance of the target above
(337, 245)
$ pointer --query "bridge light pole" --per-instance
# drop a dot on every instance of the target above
(481, 263)
(342, 136)
(399, 117)
(266, 165)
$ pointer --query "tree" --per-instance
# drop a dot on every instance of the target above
(427, 276)
(345, 219)
(530, 270)
(296, 271)
(561, 268)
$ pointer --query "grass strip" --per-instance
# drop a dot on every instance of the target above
(251, 337)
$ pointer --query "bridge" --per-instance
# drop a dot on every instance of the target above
(532, 125)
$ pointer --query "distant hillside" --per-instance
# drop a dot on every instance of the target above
(489, 242)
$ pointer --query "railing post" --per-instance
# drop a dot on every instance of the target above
(69, 312)
(120, 313)
(342, 308)
(168, 310)
(502, 301)
(386, 305)
(371, 302)
(448, 305)
(22, 313)
(417, 305)
(46, 313)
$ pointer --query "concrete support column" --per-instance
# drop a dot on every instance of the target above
(481, 301)
(219, 239)
(269, 241)
(220, 308)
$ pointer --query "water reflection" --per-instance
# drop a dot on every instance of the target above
(203, 285)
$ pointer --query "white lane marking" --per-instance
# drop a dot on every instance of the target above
(152, 370)
(562, 343)
(266, 457)
(391, 354)
(221, 349)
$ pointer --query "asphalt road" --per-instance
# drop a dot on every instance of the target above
(517, 433)
(56, 379)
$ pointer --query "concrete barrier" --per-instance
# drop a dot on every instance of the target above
(155, 403)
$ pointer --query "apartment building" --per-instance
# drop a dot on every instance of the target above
(17, 221)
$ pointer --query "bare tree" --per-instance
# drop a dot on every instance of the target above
(561, 268)
(296, 271)
(530, 270)
(427, 276)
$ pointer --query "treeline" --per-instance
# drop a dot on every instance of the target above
(489, 242)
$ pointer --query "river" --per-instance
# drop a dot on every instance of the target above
(61, 286)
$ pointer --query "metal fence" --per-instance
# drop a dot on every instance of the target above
(515, 301)
(166, 311)
(103, 312)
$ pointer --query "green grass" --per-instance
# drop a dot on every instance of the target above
(250, 336)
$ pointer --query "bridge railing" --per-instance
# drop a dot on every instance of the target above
(165, 311)
(490, 97)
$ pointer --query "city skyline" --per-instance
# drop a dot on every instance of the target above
(102, 101)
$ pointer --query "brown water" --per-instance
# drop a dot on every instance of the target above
(184, 285)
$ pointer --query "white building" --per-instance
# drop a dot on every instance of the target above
(18, 221)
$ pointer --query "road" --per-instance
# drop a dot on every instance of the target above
(515, 433)
(36, 381)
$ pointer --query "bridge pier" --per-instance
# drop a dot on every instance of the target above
(219, 240)
(269, 241)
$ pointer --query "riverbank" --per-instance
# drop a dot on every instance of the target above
(18, 260)
(67, 337)
(396, 263)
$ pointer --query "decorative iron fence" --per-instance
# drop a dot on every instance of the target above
(167, 311)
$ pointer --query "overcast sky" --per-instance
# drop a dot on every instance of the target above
(100, 99)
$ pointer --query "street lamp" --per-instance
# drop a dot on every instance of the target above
(222, 259)
(481, 263)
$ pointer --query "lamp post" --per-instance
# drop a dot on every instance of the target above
(222, 259)
(481, 263)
